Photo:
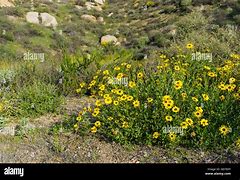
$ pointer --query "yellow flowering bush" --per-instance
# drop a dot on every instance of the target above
(201, 99)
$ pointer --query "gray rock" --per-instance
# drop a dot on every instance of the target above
(110, 14)
(6, 3)
(100, 19)
(97, 8)
(101, 2)
(48, 20)
(43, 18)
(33, 17)
(108, 39)
(90, 5)
(8, 130)
(89, 18)
(79, 7)
(30, 126)
(13, 18)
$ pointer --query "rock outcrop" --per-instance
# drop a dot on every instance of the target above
(48, 20)
(33, 17)
(108, 39)
(101, 2)
(89, 18)
(41, 18)
(6, 3)
(91, 5)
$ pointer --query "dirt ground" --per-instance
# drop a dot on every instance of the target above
(40, 145)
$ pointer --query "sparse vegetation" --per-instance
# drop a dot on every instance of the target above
(157, 41)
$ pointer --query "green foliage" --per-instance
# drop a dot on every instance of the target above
(30, 71)
(16, 11)
(75, 68)
(176, 86)
(36, 99)
(150, 3)
(83, 67)
(9, 52)
(237, 19)
(56, 131)
(2, 122)
(190, 23)
(159, 39)
(140, 42)
(21, 130)
(186, 2)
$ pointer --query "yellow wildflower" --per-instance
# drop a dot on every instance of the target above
(205, 97)
(224, 130)
(94, 129)
(204, 122)
(189, 46)
(97, 124)
(108, 100)
(175, 109)
(169, 118)
(172, 136)
(131, 84)
(156, 135)
(136, 103)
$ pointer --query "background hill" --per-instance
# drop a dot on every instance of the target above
(55, 58)
(143, 26)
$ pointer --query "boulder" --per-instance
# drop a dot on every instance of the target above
(97, 8)
(91, 5)
(89, 18)
(43, 18)
(100, 19)
(108, 39)
(33, 17)
(110, 14)
(48, 20)
(101, 2)
(8, 130)
(6, 3)
(79, 7)
(12, 18)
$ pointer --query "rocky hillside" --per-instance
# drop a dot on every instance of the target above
(51, 26)
(64, 110)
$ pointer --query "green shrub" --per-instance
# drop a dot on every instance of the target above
(199, 98)
(150, 3)
(83, 66)
(30, 71)
(36, 99)
(140, 42)
(237, 19)
(2, 122)
(16, 11)
(159, 39)
(201, 40)
(191, 22)
(9, 52)
(168, 9)
(186, 2)
(75, 67)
